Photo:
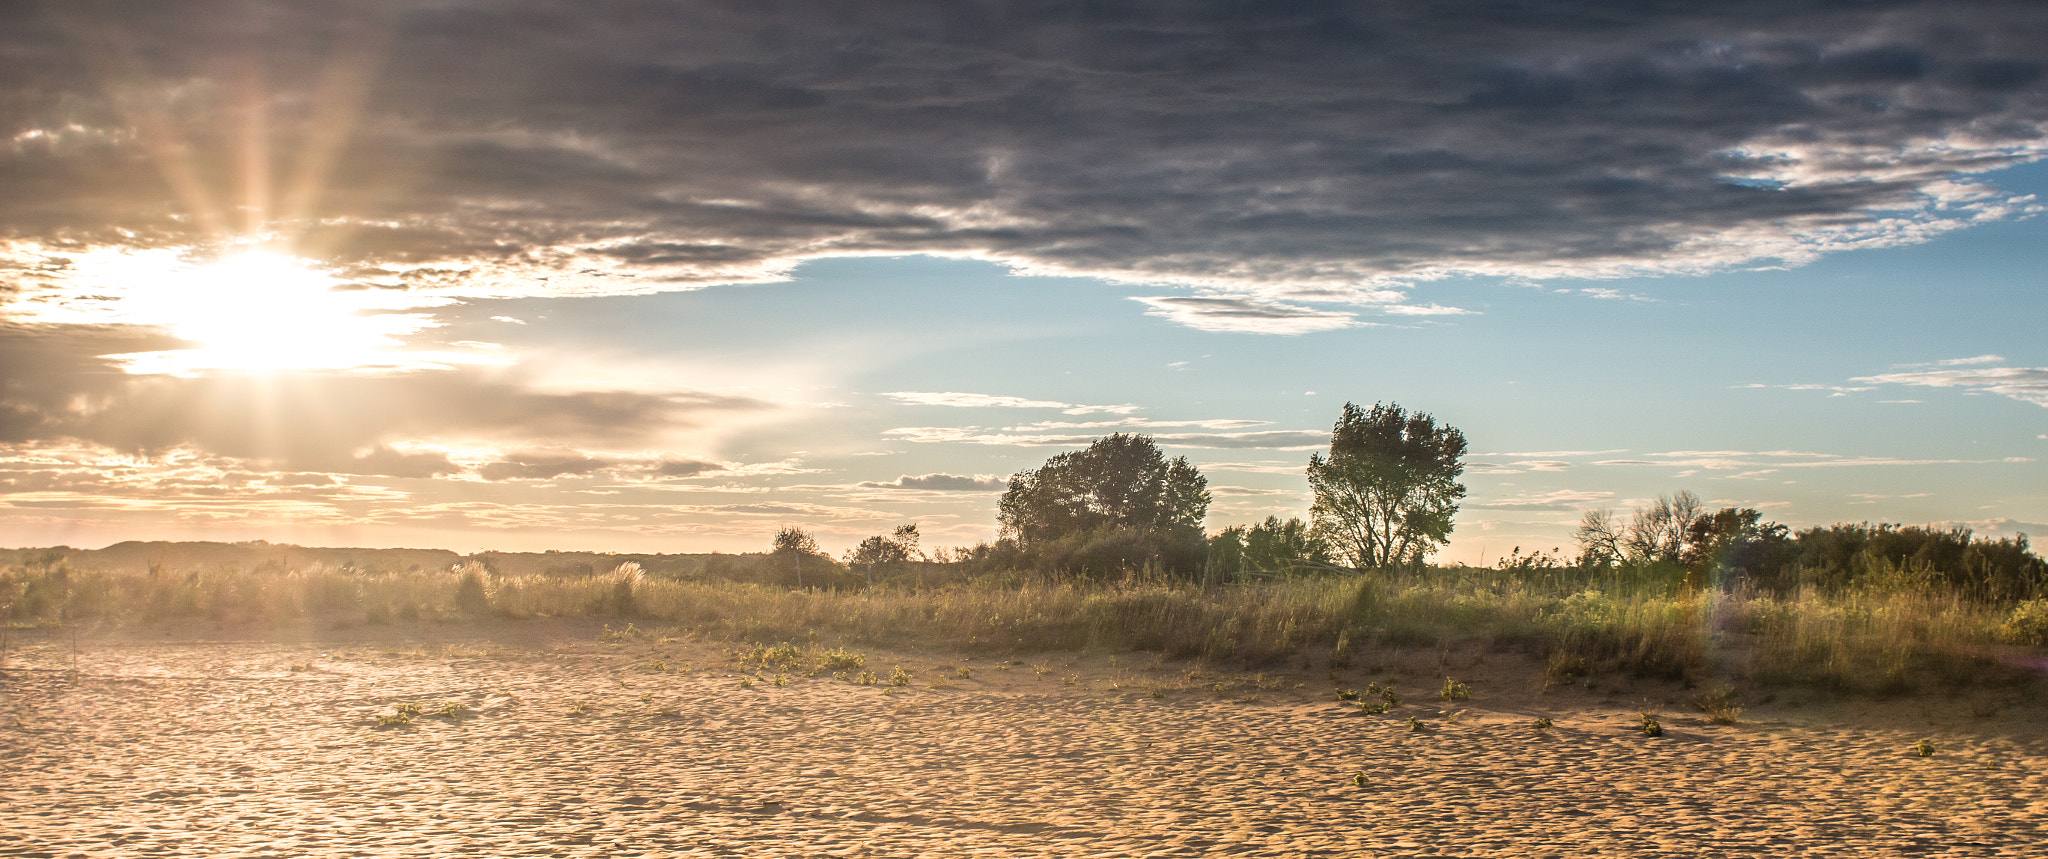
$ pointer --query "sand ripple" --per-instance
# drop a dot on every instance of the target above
(220, 749)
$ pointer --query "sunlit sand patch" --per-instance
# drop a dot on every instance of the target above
(183, 747)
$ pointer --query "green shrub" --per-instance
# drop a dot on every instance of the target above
(2026, 624)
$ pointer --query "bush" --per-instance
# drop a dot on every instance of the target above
(2027, 624)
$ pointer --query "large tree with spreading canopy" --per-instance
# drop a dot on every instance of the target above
(1119, 488)
(1386, 492)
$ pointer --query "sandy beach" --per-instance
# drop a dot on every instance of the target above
(187, 744)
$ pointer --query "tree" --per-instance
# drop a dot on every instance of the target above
(1661, 531)
(1120, 483)
(794, 541)
(899, 546)
(1278, 545)
(1271, 546)
(1120, 502)
(1736, 542)
(1599, 537)
(793, 551)
(1388, 489)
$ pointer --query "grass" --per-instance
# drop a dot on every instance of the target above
(1863, 641)
(1719, 705)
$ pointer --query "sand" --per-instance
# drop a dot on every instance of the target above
(186, 746)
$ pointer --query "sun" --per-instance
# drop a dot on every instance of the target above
(255, 312)
(269, 312)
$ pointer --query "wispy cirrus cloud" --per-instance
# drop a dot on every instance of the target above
(1833, 390)
(1266, 439)
(1726, 460)
(1138, 423)
(958, 400)
(1245, 314)
(2026, 384)
(1562, 499)
(942, 482)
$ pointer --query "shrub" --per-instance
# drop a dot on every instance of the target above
(2026, 624)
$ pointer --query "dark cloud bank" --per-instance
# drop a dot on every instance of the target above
(622, 146)
(1286, 158)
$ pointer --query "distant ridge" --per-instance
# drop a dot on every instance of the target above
(140, 555)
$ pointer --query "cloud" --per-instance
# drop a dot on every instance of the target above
(1608, 294)
(1245, 492)
(1267, 439)
(1954, 362)
(1727, 460)
(55, 387)
(1139, 423)
(2002, 528)
(687, 468)
(2026, 384)
(1257, 467)
(955, 399)
(938, 482)
(1562, 499)
(542, 465)
(1247, 315)
(1250, 150)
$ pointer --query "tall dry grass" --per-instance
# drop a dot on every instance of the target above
(1645, 622)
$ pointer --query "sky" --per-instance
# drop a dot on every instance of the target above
(670, 276)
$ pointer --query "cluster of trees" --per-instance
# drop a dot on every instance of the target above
(1733, 545)
(1385, 493)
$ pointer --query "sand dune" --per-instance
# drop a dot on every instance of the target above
(186, 747)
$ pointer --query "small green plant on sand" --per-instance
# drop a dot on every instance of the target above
(630, 632)
(1358, 780)
(1347, 694)
(963, 672)
(658, 667)
(578, 708)
(452, 710)
(1719, 705)
(1414, 725)
(899, 677)
(1455, 691)
(1373, 708)
(1543, 723)
(865, 678)
(746, 682)
(840, 659)
(781, 680)
(1650, 727)
(394, 720)
(1925, 748)
(408, 708)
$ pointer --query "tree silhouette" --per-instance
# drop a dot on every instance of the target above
(1120, 483)
(1388, 489)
